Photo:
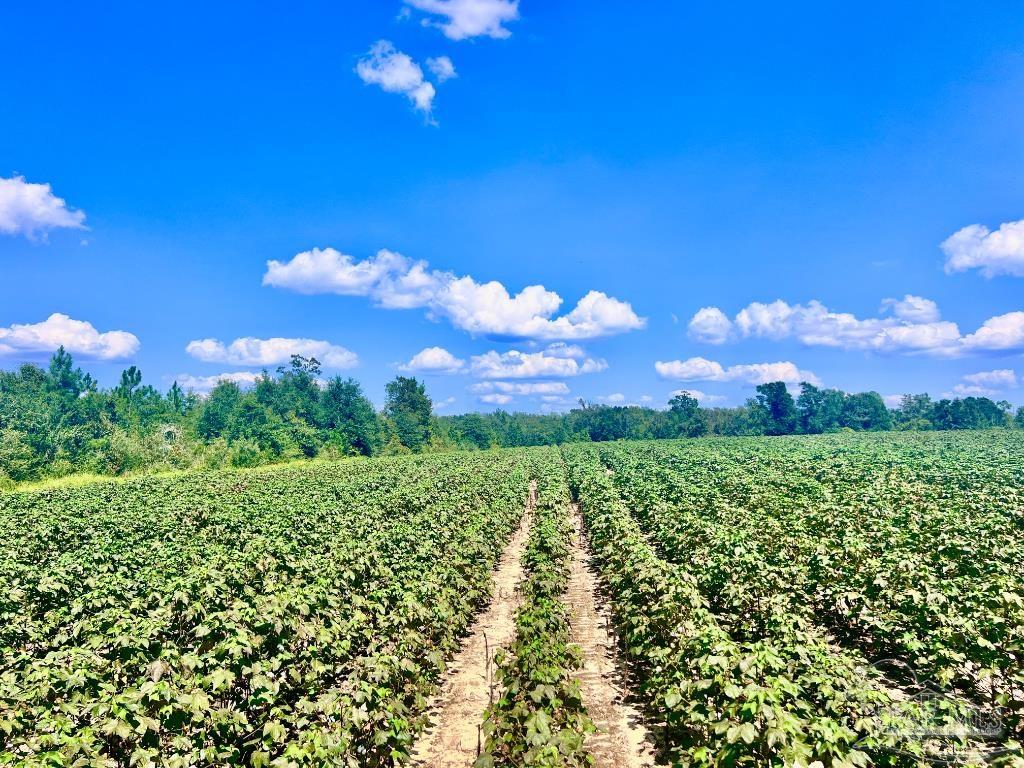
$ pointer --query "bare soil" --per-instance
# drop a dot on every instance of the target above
(621, 740)
(455, 738)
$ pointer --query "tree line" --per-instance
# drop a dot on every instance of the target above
(56, 421)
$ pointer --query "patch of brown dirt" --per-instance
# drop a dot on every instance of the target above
(455, 737)
(621, 740)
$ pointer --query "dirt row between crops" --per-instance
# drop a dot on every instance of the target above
(455, 736)
(621, 740)
(455, 739)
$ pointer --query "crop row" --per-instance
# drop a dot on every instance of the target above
(789, 699)
(540, 719)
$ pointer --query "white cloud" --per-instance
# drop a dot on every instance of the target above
(646, 399)
(913, 309)
(545, 388)
(971, 390)
(701, 397)
(441, 68)
(203, 384)
(913, 325)
(997, 334)
(78, 337)
(702, 369)
(561, 349)
(470, 18)
(443, 404)
(396, 72)
(892, 401)
(531, 365)
(274, 351)
(1004, 378)
(994, 253)
(496, 399)
(614, 397)
(32, 209)
(434, 360)
(393, 281)
(710, 325)
(986, 383)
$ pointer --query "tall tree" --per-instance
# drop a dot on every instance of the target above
(219, 410)
(774, 409)
(66, 378)
(408, 408)
(176, 399)
(685, 417)
(866, 411)
(914, 412)
(350, 418)
(821, 410)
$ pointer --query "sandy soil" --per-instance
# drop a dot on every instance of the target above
(455, 738)
(621, 740)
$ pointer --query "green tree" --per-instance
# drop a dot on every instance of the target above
(1019, 420)
(774, 409)
(130, 379)
(176, 399)
(219, 410)
(866, 411)
(474, 431)
(821, 410)
(350, 418)
(914, 412)
(685, 416)
(66, 378)
(408, 408)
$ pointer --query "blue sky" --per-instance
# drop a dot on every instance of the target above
(790, 169)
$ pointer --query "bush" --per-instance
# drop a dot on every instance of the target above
(246, 453)
(18, 462)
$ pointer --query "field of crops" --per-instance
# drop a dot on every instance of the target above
(845, 600)
(848, 600)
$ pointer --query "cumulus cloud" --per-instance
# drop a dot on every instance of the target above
(710, 325)
(614, 397)
(462, 19)
(442, 68)
(545, 388)
(267, 352)
(496, 398)
(913, 309)
(985, 383)
(994, 253)
(396, 72)
(997, 334)
(434, 360)
(702, 369)
(892, 401)
(393, 281)
(78, 337)
(203, 384)
(32, 209)
(531, 365)
(911, 325)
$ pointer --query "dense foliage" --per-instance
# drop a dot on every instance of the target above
(57, 422)
(759, 584)
(285, 617)
(761, 591)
